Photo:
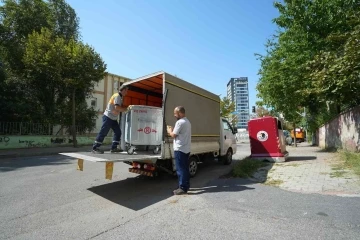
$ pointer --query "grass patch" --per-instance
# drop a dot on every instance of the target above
(351, 161)
(338, 167)
(346, 160)
(273, 182)
(337, 174)
(247, 167)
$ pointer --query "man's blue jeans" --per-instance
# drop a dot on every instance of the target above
(182, 169)
(107, 124)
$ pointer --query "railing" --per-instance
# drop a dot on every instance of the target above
(28, 128)
(242, 137)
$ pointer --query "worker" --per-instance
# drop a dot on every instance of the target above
(110, 117)
(181, 144)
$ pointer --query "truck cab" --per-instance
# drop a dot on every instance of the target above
(228, 145)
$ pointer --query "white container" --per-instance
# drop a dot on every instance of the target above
(143, 127)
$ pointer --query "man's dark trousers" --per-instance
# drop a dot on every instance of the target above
(182, 169)
(107, 124)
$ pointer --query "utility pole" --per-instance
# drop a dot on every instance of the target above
(294, 130)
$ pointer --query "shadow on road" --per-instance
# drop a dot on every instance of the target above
(327, 150)
(232, 185)
(140, 192)
(136, 193)
(301, 158)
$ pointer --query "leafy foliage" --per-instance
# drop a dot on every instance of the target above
(312, 61)
(47, 72)
(65, 67)
(226, 108)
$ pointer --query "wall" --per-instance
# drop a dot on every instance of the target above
(12, 142)
(342, 132)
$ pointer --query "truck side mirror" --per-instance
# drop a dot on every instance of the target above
(235, 130)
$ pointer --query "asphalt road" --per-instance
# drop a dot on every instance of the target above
(47, 198)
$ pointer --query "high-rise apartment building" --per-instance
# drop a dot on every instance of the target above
(238, 92)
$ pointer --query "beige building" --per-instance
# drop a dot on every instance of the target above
(102, 93)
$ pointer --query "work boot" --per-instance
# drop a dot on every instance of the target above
(179, 191)
(97, 151)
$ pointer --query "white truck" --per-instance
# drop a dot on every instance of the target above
(212, 136)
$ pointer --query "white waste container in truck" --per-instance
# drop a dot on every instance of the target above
(143, 127)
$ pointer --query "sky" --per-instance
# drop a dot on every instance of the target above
(205, 42)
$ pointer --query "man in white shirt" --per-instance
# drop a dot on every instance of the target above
(182, 145)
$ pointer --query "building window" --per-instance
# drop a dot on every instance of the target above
(94, 102)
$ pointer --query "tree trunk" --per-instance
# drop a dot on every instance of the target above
(338, 108)
(73, 119)
(294, 127)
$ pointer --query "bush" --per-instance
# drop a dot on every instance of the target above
(352, 161)
(247, 167)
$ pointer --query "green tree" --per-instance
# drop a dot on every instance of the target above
(19, 19)
(226, 109)
(70, 70)
(64, 21)
(336, 74)
(261, 111)
(311, 36)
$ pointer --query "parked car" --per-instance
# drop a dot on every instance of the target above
(288, 138)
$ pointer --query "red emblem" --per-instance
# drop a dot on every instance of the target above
(147, 130)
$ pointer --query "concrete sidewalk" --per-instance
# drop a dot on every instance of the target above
(311, 170)
(30, 152)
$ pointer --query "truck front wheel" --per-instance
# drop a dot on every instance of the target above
(227, 159)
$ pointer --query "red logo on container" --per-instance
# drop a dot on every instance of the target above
(147, 130)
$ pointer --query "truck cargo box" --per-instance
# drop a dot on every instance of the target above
(166, 91)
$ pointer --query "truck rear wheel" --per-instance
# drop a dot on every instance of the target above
(193, 166)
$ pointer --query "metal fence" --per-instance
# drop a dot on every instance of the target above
(242, 137)
(27, 128)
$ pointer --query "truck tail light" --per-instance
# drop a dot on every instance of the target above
(136, 165)
(149, 167)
